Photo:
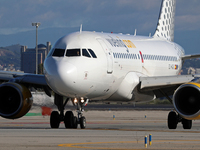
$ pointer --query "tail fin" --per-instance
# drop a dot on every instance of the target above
(165, 26)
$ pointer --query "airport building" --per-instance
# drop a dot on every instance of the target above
(28, 57)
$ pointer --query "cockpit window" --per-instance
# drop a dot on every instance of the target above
(85, 53)
(59, 52)
(73, 52)
(92, 53)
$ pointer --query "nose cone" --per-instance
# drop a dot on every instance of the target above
(61, 76)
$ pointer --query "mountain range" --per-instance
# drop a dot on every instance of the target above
(10, 55)
(28, 38)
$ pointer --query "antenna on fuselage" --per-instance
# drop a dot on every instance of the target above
(81, 28)
(135, 32)
(149, 34)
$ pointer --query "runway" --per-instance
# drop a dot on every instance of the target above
(126, 132)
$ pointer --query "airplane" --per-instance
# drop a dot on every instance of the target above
(89, 66)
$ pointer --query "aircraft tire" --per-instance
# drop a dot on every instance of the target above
(172, 120)
(83, 122)
(69, 119)
(187, 124)
(75, 122)
(54, 119)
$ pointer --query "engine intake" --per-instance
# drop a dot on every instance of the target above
(186, 101)
(15, 100)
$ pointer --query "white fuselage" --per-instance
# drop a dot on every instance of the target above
(114, 72)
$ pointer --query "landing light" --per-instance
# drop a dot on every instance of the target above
(82, 100)
(75, 100)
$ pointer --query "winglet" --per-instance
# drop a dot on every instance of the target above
(165, 26)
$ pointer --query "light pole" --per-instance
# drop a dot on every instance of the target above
(37, 24)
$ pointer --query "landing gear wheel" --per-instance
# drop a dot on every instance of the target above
(69, 119)
(54, 119)
(83, 122)
(172, 120)
(75, 122)
(187, 124)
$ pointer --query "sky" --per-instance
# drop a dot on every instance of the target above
(59, 17)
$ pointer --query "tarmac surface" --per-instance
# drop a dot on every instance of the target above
(125, 132)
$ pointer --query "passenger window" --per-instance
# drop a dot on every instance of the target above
(92, 53)
(59, 52)
(73, 52)
(85, 53)
(138, 56)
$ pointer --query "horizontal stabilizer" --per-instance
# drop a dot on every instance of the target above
(190, 56)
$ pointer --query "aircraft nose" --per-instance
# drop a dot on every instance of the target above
(67, 73)
(61, 76)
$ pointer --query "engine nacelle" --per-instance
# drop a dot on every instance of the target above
(15, 100)
(186, 101)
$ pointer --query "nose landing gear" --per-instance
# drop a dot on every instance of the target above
(69, 119)
(80, 104)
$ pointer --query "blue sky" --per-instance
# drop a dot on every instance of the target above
(122, 16)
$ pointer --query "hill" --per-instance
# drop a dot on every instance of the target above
(10, 55)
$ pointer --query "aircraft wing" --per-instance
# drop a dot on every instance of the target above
(31, 80)
(149, 83)
(163, 86)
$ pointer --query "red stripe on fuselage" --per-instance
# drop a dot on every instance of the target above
(141, 57)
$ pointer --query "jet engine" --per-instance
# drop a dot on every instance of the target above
(186, 101)
(15, 100)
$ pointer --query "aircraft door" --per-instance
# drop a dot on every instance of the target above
(108, 55)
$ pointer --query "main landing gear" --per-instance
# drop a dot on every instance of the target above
(69, 119)
(174, 119)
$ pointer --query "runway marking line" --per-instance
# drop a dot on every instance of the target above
(76, 145)
(80, 145)
(143, 130)
(27, 123)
